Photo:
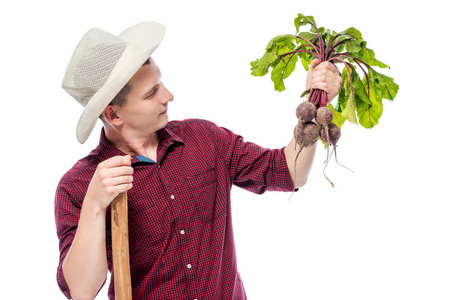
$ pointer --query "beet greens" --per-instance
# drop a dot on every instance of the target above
(360, 100)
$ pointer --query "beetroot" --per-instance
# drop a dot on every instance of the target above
(306, 134)
(330, 134)
(306, 111)
(324, 116)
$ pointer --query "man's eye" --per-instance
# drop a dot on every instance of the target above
(153, 92)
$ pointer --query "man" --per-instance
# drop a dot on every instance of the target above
(178, 176)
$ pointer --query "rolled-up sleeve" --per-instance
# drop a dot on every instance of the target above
(251, 166)
(66, 215)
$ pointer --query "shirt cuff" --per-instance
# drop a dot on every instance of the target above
(62, 283)
(282, 180)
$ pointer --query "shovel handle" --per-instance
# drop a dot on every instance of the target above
(120, 247)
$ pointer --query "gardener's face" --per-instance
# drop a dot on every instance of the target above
(147, 102)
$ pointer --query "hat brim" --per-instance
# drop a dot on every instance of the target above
(144, 38)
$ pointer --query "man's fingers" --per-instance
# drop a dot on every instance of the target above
(119, 171)
(114, 190)
(107, 173)
(115, 172)
(116, 180)
(116, 161)
(121, 180)
(327, 66)
(326, 77)
(325, 72)
(112, 177)
(115, 166)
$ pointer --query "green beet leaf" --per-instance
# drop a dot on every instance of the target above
(369, 113)
(359, 100)
(283, 69)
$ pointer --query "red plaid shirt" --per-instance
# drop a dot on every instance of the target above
(180, 228)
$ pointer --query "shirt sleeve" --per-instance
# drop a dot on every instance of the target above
(251, 166)
(67, 212)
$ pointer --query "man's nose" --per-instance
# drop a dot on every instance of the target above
(168, 96)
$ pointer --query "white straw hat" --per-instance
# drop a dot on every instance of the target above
(102, 64)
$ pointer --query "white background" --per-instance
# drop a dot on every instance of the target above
(381, 233)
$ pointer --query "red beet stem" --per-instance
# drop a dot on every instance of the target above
(313, 97)
(323, 101)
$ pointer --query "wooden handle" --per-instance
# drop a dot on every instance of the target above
(120, 247)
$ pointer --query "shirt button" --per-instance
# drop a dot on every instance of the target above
(182, 232)
(189, 266)
(172, 197)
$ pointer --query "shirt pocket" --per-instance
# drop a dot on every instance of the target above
(203, 190)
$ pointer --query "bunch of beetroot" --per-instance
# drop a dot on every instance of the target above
(359, 100)
(307, 132)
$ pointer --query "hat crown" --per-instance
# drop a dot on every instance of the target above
(92, 63)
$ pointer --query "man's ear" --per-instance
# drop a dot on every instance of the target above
(110, 114)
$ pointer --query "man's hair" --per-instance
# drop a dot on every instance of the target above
(120, 98)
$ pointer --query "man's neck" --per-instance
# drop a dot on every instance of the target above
(134, 143)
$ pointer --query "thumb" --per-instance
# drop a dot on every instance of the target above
(312, 66)
(314, 63)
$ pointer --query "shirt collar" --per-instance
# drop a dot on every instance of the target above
(166, 138)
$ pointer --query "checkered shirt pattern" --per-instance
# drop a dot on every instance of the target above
(180, 227)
